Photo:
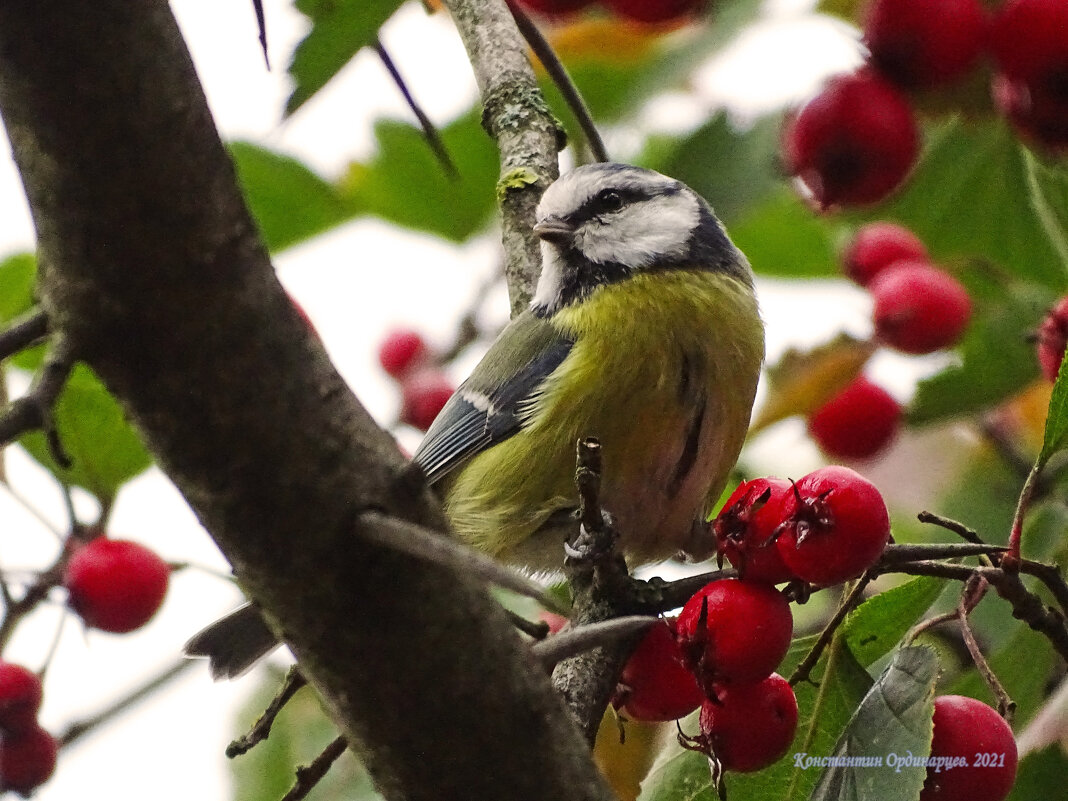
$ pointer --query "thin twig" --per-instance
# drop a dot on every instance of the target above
(956, 527)
(261, 729)
(23, 332)
(310, 775)
(939, 550)
(433, 138)
(1011, 560)
(588, 481)
(926, 625)
(559, 75)
(1051, 576)
(430, 546)
(261, 24)
(580, 639)
(87, 725)
(34, 409)
(804, 668)
(538, 629)
(1006, 705)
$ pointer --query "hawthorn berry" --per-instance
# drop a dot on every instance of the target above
(27, 759)
(654, 11)
(115, 585)
(854, 142)
(402, 352)
(655, 685)
(857, 423)
(980, 738)
(748, 726)
(745, 530)
(1029, 41)
(734, 630)
(1052, 338)
(878, 245)
(918, 307)
(423, 395)
(923, 43)
(835, 526)
(20, 697)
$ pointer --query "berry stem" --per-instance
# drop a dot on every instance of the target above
(260, 730)
(1011, 560)
(850, 602)
(1006, 706)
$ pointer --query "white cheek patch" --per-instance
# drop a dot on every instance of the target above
(547, 293)
(642, 233)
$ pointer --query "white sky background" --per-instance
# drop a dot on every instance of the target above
(355, 283)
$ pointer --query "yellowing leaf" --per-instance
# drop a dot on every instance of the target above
(803, 381)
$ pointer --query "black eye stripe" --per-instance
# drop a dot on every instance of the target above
(607, 201)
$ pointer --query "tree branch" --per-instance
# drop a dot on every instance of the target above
(514, 113)
(152, 268)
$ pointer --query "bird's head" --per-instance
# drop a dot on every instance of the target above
(601, 223)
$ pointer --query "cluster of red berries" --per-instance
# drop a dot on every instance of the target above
(406, 357)
(646, 11)
(858, 139)
(721, 651)
(918, 308)
(27, 752)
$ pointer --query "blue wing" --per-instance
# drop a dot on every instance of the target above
(487, 408)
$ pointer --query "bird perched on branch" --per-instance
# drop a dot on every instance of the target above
(643, 332)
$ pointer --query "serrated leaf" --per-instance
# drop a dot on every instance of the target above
(997, 359)
(874, 628)
(1041, 775)
(893, 721)
(1055, 436)
(405, 184)
(104, 449)
(802, 381)
(289, 201)
(339, 29)
(783, 238)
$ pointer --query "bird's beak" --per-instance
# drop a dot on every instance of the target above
(554, 229)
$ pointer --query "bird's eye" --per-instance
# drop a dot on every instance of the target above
(610, 200)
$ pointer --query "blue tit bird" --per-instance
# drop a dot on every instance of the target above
(643, 332)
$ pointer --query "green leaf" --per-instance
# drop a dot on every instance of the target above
(1040, 775)
(1024, 665)
(289, 201)
(1055, 437)
(876, 626)
(997, 359)
(299, 734)
(104, 449)
(733, 170)
(18, 274)
(339, 28)
(892, 722)
(783, 238)
(406, 185)
(977, 192)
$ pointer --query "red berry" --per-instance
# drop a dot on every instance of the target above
(20, 697)
(854, 142)
(1052, 339)
(745, 530)
(835, 526)
(979, 741)
(919, 308)
(654, 11)
(402, 351)
(424, 394)
(552, 8)
(554, 621)
(857, 423)
(655, 685)
(924, 43)
(734, 630)
(115, 585)
(749, 726)
(1029, 40)
(877, 245)
(27, 759)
